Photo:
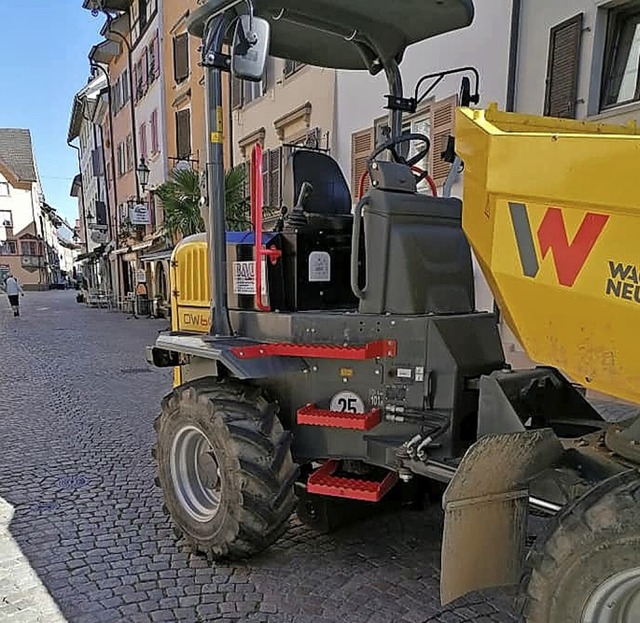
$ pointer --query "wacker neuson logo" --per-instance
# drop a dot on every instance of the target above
(570, 258)
(624, 282)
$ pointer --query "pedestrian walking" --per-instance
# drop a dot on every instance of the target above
(14, 291)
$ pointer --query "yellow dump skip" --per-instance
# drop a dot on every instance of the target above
(552, 211)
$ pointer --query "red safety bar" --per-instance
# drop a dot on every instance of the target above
(418, 170)
(257, 202)
(372, 350)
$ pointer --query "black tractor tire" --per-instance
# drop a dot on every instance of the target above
(591, 545)
(253, 471)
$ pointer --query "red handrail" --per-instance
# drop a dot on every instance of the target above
(257, 201)
(428, 179)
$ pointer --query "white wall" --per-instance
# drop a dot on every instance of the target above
(484, 45)
(22, 206)
(538, 18)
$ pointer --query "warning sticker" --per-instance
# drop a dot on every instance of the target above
(244, 278)
(319, 266)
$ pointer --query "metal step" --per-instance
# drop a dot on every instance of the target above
(310, 415)
(323, 482)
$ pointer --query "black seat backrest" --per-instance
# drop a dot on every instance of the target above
(330, 194)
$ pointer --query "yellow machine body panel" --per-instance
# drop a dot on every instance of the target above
(191, 294)
(552, 212)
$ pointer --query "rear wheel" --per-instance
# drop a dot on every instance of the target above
(588, 569)
(225, 468)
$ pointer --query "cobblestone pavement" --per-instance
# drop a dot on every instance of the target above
(88, 535)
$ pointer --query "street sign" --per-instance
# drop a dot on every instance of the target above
(140, 214)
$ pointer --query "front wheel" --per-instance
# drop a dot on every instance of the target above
(225, 468)
(588, 569)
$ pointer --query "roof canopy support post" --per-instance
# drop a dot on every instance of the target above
(394, 78)
(211, 54)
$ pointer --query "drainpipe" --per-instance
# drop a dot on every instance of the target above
(514, 43)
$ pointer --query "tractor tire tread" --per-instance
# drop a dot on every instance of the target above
(263, 470)
(571, 533)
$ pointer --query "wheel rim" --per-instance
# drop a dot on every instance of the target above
(196, 474)
(615, 601)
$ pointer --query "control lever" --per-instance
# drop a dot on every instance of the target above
(298, 218)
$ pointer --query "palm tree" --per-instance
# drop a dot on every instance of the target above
(180, 197)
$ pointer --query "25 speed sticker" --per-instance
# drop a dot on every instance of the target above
(347, 402)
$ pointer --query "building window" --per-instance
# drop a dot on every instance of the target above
(142, 14)
(183, 134)
(563, 67)
(5, 218)
(621, 83)
(155, 146)
(253, 90)
(4, 189)
(236, 92)
(8, 247)
(29, 247)
(181, 57)
(290, 67)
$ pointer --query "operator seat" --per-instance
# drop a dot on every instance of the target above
(316, 236)
(330, 194)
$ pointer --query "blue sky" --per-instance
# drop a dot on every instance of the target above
(43, 47)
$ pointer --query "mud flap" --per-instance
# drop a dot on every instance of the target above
(486, 508)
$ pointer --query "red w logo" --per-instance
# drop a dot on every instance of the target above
(569, 257)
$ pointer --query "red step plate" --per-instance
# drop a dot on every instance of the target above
(312, 416)
(323, 482)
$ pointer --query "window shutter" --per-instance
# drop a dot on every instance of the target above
(144, 63)
(274, 199)
(183, 133)
(236, 92)
(97, 163)
(562, 68)
(143, 139)
(181, 57)
(155, 147)
(362, 144)
(125, 87)
(443, 114)
(265, 176)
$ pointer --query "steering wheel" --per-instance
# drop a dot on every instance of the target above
(405, 138)
(422, 175)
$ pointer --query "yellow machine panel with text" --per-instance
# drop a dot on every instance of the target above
(551, 209)
(191, 294)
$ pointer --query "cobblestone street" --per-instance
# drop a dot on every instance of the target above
(77, 406)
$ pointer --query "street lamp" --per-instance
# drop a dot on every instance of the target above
(143, 172)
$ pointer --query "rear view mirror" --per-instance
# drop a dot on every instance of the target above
(250, 48)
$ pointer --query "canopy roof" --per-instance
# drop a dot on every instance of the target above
(346, 34)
